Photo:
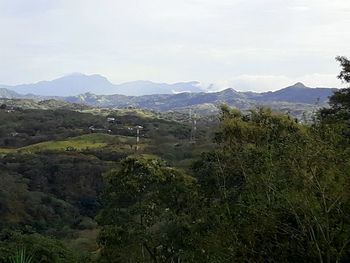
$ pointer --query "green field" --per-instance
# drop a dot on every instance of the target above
(87, 141)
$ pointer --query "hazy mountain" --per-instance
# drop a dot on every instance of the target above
(137, 88)
(162, 102)
(296, 93)
(296, 99)
(8, 94)
(75, 84)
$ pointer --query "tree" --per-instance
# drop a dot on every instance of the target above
(340, 100)
(148, 212)
(278, 188)
(344, 74)
(338, 114)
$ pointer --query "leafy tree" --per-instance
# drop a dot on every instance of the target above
(278, 188)
(340, 101)
(147, 214)
(345, 65)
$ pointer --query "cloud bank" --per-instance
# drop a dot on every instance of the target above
(251, 44)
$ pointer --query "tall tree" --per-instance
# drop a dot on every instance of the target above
(338, 114)
(340, 100)
(147, 214)
(278, 188)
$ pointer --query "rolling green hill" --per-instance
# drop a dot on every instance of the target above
(83, 142)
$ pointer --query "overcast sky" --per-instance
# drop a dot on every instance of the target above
(245, 44)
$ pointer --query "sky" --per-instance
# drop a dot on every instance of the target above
(253, 45)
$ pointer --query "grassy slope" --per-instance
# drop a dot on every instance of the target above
(94, 140)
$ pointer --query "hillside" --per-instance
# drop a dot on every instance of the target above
(45, 104)
(77, 83)
(67, 171)
(8, 94)
(297, 100)
(298, 93)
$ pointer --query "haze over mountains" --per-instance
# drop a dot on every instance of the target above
(295, 99)
(77, 83)
(97, 91)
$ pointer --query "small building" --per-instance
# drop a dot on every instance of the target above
(110, 120)
(93, 129)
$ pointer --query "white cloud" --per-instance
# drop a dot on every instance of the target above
(270, 41)
(259, 83)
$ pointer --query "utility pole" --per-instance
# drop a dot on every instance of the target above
(138, 128)
(193, 127)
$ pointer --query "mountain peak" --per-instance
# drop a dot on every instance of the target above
(68, 85)
(228, 90)
(299, 85)
(82, 76)
(79, 83)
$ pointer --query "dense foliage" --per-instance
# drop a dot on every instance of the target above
(51, 167)
(148, 210)
(271, 189)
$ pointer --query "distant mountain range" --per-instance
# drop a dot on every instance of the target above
(297, 99)
(9, 94)
(77, 83)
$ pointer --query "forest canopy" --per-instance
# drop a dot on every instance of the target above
(258, 186)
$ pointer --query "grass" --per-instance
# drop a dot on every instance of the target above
(6, 151)
(91, 141)
(85, 240)
(21, 256)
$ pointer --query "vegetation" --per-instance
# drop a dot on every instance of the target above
(147, 210)
(256, 186)
(22, 257)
